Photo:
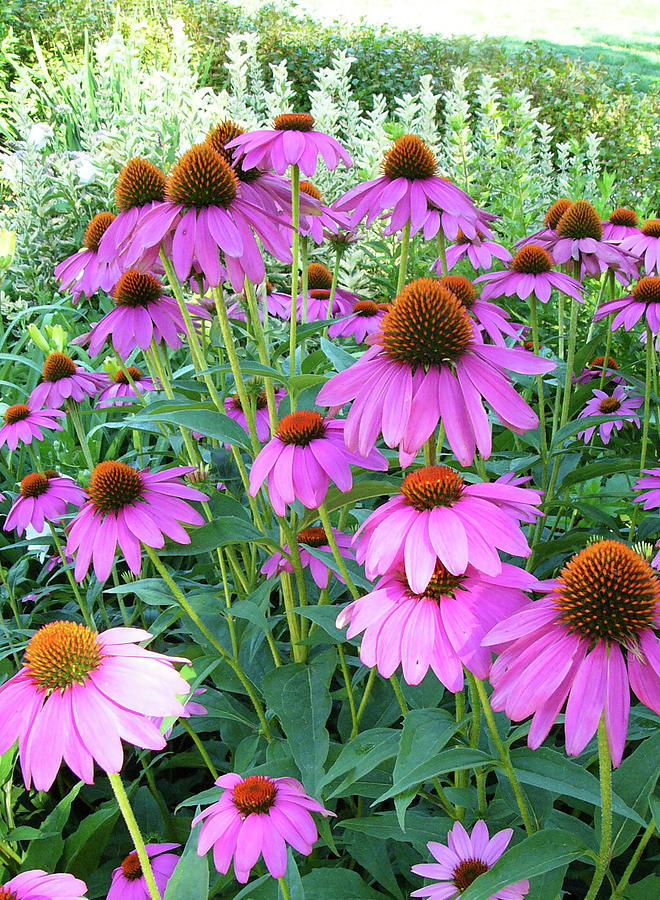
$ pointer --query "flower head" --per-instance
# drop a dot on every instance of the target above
(319, 285)
(79, 694)
(365, 318)
(121, 392)
(440, 626)
(410, 192)
(42, 496)
(128, 882)
(235, 411)
(321, 222)
(426, 365)
(644, 245)
(461, 863)
(621, 224)
(258, 816)
(642, 302)
(24, 423)
(62, 379)
(595, 370)
(130, 507)
(292, 142)
(303, 457)
(493, 319)
(618, 404)
(85, 272)
(310, 537)
(650, 498)
(437, 515)
(530, 271)
(480, 250)
(37, 885)
(588, 641)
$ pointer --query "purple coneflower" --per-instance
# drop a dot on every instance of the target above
(204, 212)
(595, 370)
(642, 302)
(409, 191)
(466, 858)
(121, 392)
(84, 272)
(590, 640)
(128, 882)
(550, 222)
(438, 516)
(493, 319)
(277, 304)
(24, 423)
(319, 286)
(650, 484)
(303, 457)
(617, 404)
(130, 507)
(311, 537)
(425, 365)
(63, 379)
(37, 885)
(79, 694)
(322, 221)
(621, 224)
(440, 627)
(530, 272)
(42, 497)
(141, 314)
(258, 816)
(480, 250)
(645, 244)
(293, 142)
(366, 318)
(235, 411)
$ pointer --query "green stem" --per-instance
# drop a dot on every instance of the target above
(349, 689)
(478, 687)
(539, 383)
(339, 559)
(430, 451)
(262, 349)
(403, 261)
(367, 693)
(74, 415)
(295, 219)
(399, 695)
(201, 749)
(443, 253)
(333, 286)
(606, 358)
(282, 883)
(190, 612)
(605, 771)
(304, 286)
(647, 415)
(72, 581)
(9, 853)
(632, 865)
(134, 831)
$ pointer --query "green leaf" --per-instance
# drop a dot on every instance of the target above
(634, 781)
(339, 358)
(542, 852)
(330, 884)
(553, 772)
(600, 469)
(361, 755)
(573, 427)
(361, 490)
(209, 422)
(83, 849)
(420, 827)
(300, 697)
(45, 852)
(218, 533)
(190, 879)
(643, 890)
(447, 761)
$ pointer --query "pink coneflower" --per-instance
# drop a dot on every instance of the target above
(411, 191)
(37, 885)
(258, 816)
(493, 319)
(121, 392)
(645, 244)
(425, 365)
(552, 217)
(530, 271)
(650, 499)
(235, 411)
(463, 861)
(84, 272)
(63, 379)
(205, 213)
(437, 515)
(130, 507)
(642, 302)
(366, 318)
(43, 496)
(79, 694)
(311, 537)
(579, 239)
(303, 457)
(440, 627)
(480, 250)
(141, 314)
(293, 142)
(617, 404)
(319, 285)
(590, 640)
(322, 221)
(595, 370)
(24, 423)
(277, 304)
(621, 224)
(128, 882)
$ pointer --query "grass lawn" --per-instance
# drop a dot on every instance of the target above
(620, 35)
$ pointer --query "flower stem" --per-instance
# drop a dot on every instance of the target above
(295, 218)
(282, 883)
(332, 541)
(605, 771)
(606, 358)
(72, 581)
(647, 415)
(539, 382)
(632, 865)
(304, 286)
(403, 261)
(72, 409)
(333, 286)
(479, 689)
(134, 831)
(349, 689)
(190, 612)
(262, 349)
(443, 252)
(367, 693)
(399, 695)
(201, 749)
